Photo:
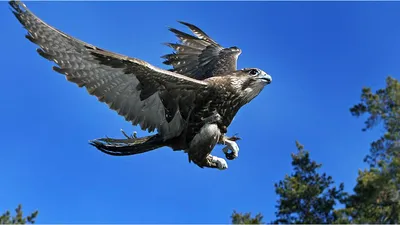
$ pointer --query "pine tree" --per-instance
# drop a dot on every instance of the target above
(246, 218)
(383, 107)
(307, 196)
(377, 193)
(6, 218)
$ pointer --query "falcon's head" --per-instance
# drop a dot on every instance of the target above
(252, 82)
(257, 76)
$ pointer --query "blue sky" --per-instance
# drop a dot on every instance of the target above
(320, 55)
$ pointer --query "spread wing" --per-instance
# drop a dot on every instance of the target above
(143, 94)
(200, 57)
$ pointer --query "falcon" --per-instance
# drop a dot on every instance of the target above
(189, 106)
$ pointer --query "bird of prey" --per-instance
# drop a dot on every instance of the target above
(190, 105)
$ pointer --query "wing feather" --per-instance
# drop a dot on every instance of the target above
(200, 56)
(115, 79)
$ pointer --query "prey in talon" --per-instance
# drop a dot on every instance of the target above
(189, 106)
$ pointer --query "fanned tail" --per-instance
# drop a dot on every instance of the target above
(130, 146)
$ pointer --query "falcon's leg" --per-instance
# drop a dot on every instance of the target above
(202, 145)
(229, 142)
(230, 145)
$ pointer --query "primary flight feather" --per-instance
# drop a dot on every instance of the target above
(190, 106)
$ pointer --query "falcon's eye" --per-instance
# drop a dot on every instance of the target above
(253, 72)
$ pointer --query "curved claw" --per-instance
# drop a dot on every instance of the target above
(231, 145)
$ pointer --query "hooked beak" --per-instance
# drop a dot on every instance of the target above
(265, 78)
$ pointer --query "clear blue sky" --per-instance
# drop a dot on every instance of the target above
(320, 55)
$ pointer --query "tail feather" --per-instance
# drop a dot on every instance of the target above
(124, 147)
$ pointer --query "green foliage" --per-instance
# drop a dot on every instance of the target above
(376, 196)
(382, 107)
(6, 218)
(307, 196)
(246, 218)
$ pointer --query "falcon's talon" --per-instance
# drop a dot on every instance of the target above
(221, 163)
(230, 145)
